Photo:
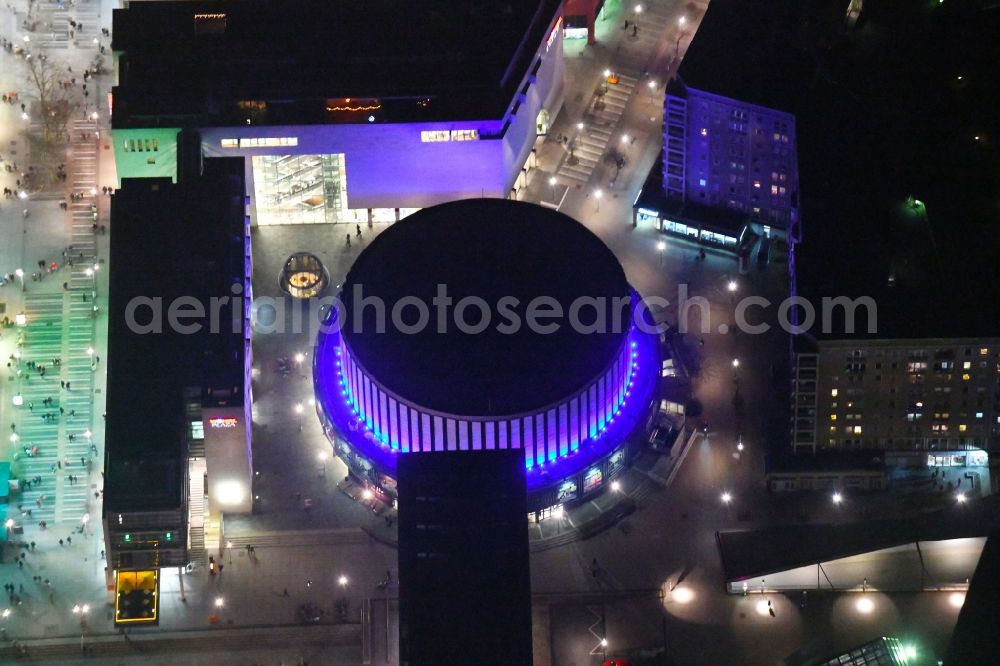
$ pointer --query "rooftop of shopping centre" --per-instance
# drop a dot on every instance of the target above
(220, 62)
(169, 242)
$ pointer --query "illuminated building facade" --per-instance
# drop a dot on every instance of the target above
(728, 175)
(567, 400)
(361, 118)
(936, 401)
(177, 444)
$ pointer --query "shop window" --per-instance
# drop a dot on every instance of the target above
(433, 136)
(465, 135)
(230, 143)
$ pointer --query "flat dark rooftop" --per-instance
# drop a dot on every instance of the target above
(486, 248)
(825, 461)
(749, 51)
(167, 241)
(466, 58)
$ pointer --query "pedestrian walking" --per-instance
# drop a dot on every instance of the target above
(358, 226)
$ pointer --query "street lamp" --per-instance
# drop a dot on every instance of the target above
(732, 286)
(552, 184)
(300, 357)
(837, 498)
(736, 362)
(229, 546)
(20, 276)
(960, 498)
(681, 21)
(739, 445)
(661, 247)
(624, 138)
(726, 498)
(579, 127)
(638, 9)
(299, 408)
(597, 195)
(342, 580)
(93, 116)
(219, 602)
(616, 486)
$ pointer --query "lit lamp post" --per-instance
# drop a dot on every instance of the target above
(597, 195)
(20, 276)
(229, 547)
(10, 527)
(552, 184)
(837, 498)
(661, 247)
(323, 456)
(727, 499)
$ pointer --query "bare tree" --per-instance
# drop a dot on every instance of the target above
(53, 106)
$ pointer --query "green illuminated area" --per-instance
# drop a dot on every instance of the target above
(146, 153)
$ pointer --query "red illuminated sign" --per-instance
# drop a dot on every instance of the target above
(223, 423)
(553, 34)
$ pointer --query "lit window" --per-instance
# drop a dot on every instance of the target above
(967, 365)
(983, 351)
(197, 430)
(857, 430)
(979, 415)
(774, 189)
(433, 136)
(833, 417)
(756, 184)
(269, 142)
(704, 131)
(966, 377)
(962, 428)
(230, 143)
(465, 135)
(702, 182)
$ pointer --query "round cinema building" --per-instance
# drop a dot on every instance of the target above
(487, 324)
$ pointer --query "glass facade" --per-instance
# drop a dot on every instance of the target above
(300, 189)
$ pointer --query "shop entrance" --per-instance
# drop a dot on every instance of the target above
(542, 123)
